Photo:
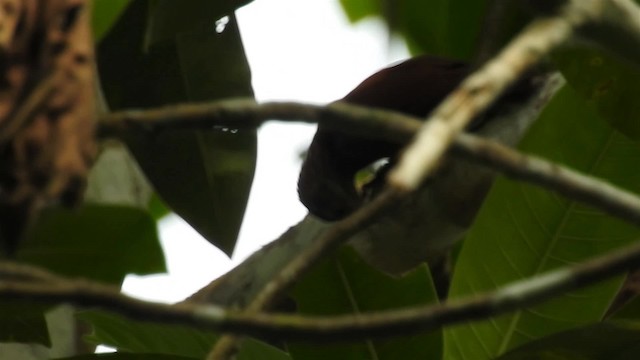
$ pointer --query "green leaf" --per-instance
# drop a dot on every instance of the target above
(609, 340)
(127, 356)
(204, 176)
(346, 285)
(105, 14)
(99, 242)
(22, 322)
(210, 188)
(145, 337)
(611, 87)
(523, 230)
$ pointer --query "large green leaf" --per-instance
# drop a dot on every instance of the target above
(99, 242)
(183, 55)
(523, 230)
(612, 85)
(609, 340)
(144, 337)
(346, 285)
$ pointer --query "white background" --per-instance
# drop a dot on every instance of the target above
(300, 50)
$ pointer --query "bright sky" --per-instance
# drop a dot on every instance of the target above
(301, 51)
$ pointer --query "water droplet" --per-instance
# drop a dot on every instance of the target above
(221, 24)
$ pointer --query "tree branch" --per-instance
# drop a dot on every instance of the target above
(570, 183)
(390, 126)
(247, 113)
(20, 272)
(335, 328)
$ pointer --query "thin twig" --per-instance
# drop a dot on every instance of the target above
(336, 328)
(340, 232)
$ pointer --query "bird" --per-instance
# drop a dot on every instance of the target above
(426, 225)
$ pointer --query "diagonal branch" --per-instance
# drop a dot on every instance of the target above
(596, 20)
(336, 235)
(477, 92)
